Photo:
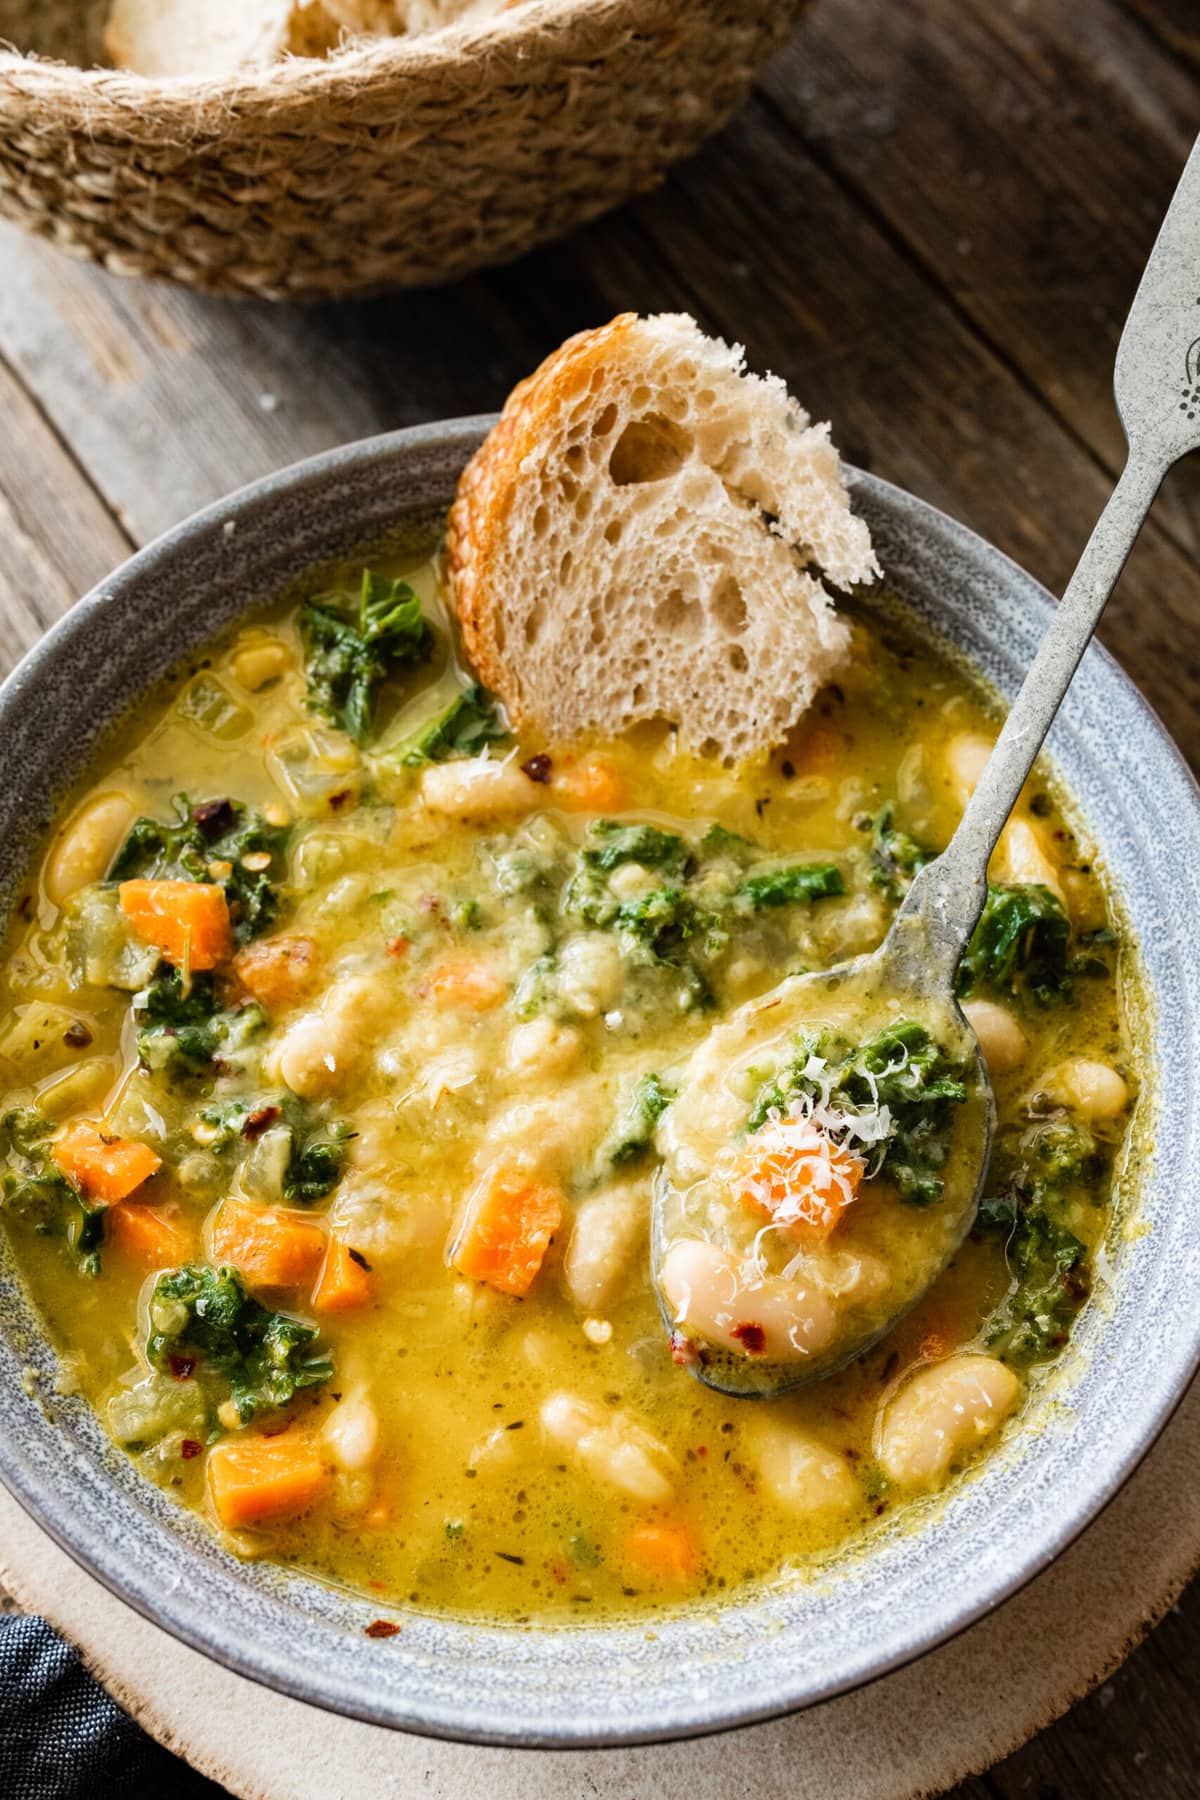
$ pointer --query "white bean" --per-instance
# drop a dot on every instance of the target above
(351, 1433)
(941, 1414)
(1000, 1037)
(550, 1131)
(540, 1047)
(1021, 857)
(319, 1049)
(801, 1473)
(87, 844)
(478, 788)
(605, 1235)
(612, 1448)
(966, 758)
(386, 1219)
(1091, 1089)
(590, 974)
(259, 660)
(631, 881)
(716, 1296)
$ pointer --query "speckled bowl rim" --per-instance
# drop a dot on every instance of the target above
(755, 1656)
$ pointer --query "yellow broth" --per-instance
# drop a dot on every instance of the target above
(545, 1456)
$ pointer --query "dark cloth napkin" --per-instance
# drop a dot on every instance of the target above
(63, 1738)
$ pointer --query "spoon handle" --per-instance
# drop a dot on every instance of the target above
(949, 893)
(1158, 396)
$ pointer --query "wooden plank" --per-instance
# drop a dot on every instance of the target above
(1024, 157)
(57, 539)
(1172, 23)
(171, 400)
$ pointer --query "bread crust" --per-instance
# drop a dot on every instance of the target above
(489, 486)
(601, 537)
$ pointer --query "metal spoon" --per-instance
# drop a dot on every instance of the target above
(912, 974)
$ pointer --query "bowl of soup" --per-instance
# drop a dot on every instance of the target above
(340, 1033)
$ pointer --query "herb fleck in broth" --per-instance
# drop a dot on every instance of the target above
(385, 1291)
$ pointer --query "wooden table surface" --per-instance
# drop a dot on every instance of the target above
(930, 219)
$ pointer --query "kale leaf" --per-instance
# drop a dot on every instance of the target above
(660, 929)
(465, 728)
(216, 835)
(316, 1165)
(182, 1031)
(684, 923)
(348, 655)
(895, 857)
(312, 1159)
(1021, 944)
(1049, 1264)
(634, 1135)
(903, 1068)
(34, 1190)
(199, 1313)
(611, 845)
(802, 882)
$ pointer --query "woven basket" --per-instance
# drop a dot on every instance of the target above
(393, 163)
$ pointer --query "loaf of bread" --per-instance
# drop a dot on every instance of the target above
(207, 39)
(180, 37)
(637, 539)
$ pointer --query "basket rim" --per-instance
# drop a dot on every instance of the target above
(506, 42)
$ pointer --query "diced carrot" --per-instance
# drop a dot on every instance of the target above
(509, 1224)
(344, 1282)
(255, 1480)
(465, 981)
(186, 921)
(818, 750)
(103, 1167)
(666, 1551)
(593, 784)
(270, 1246)
(151, 1235)
(278, 971)
(795, 1175)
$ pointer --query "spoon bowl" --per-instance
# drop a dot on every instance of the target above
(757, 1308)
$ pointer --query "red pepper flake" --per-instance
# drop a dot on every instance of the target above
(215, 818)
(701, 1449)
(538, 768)
(257, 1122)
(683, 1351)
(183, 1367)
(558, 1570)
(430, 903)
(398, 947)
(190, 1448)
(380, 1587)
(380, 1628)
(752, 1338)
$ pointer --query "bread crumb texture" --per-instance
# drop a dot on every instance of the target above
(634, 541)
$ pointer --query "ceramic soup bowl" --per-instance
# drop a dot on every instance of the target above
(758, 1653)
